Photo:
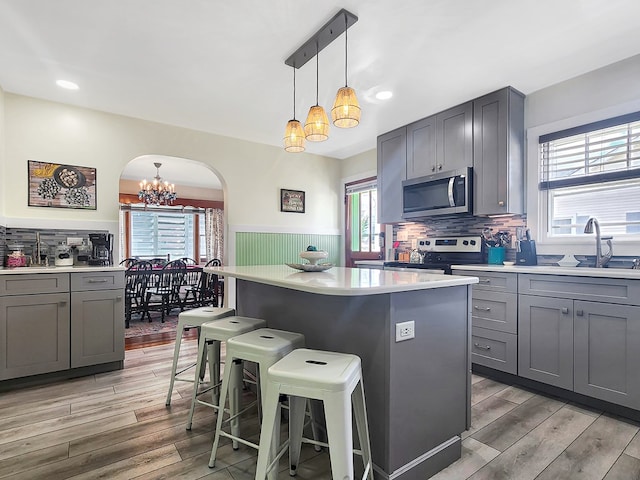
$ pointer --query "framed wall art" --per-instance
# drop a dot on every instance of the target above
(62, 186)
(291, 200)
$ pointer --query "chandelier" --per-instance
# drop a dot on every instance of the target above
(157, 192)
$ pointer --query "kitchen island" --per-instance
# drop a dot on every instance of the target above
(60, 322)
(417, 390)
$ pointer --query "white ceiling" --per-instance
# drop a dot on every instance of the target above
(218, 66)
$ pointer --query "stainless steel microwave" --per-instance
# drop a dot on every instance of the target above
(443, 193)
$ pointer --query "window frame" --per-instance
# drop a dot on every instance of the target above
(537, 200)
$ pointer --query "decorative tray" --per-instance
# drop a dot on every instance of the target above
(308, 267)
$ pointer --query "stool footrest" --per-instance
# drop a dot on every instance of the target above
(239, 439)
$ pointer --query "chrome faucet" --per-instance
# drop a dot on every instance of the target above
(601, 260)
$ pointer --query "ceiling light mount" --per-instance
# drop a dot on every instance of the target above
(323, 37)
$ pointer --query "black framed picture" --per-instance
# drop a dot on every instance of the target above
(291, 200)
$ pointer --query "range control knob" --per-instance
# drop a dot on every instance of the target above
(473, 242)
(465, 242)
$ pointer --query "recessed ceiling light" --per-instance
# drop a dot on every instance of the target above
(384, 95)
(67, 84)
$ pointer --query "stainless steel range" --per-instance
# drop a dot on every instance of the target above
(440, 253)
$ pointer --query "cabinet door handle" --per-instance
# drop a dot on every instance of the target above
(433, 168)
(565, 310)
(118, 298)
(440, 167)
(62, 303)
(103, 280)
(501, 203)
(485, 280)
(483, 309)
(484, 347)
(579, 313)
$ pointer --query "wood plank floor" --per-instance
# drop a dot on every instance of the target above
(116, 426)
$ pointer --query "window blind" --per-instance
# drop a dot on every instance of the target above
(595, 153)
(363, 186)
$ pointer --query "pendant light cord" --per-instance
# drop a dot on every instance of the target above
(317, 71)
(294, 92)
(346, 29)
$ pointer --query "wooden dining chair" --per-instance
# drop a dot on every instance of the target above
(136, 280)
(165, 294)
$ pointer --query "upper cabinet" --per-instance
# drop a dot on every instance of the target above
(498, 153)
(392, 157)
(486, 133)
(441, 142)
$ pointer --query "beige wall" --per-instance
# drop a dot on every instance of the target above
(251, 174)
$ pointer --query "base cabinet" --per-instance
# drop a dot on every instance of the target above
(59, 321)
(34, 334)
(545, 340)
(97, 328)
(607, 352)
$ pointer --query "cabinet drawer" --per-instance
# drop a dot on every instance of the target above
(27, 284)
(494, 349)
(495, 311)
(495, 281)
(84, 281)
(609, 290)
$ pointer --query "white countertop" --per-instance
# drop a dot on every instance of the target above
(71, 269)
(555, 270)
(341, 280)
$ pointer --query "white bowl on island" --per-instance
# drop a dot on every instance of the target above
(312, 256)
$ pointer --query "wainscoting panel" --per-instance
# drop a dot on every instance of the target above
(277, 248)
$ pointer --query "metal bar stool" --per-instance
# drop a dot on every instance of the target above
(194, 319)
(334, 378)
(264, 347)
(215, 332)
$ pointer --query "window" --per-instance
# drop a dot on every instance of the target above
(362, 206)
(592, 171)
(162, 233)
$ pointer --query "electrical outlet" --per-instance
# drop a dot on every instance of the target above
(402, 236)
(405, 331)
(414, 243)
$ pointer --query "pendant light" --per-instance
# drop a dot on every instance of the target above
(294, 134)
(346, 110)
(316, 128)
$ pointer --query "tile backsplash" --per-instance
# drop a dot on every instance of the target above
(48, 237)
(470, 225)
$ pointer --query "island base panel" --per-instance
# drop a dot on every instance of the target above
(416, 390)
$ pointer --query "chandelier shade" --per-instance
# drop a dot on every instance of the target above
(293, 133)
(346, 109)
(158, 191)
(294, 137)
(316, 128)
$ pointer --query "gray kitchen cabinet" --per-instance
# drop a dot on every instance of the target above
(392, 161)
(494, 349)
(494, 318)
(498, 153)
(97, 327)
(34, 334)
(54, 322)
(421, 147)
(440, 142)
(454, 138)
(607, 352)
(545, 340)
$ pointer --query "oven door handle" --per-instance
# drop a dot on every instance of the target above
(452, 202)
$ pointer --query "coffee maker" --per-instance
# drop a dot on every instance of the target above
(102, 249)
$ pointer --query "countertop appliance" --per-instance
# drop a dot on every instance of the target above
(443, 193)
(102, 249)
(63, 256)
(440, 253)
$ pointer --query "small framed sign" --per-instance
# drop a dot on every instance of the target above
(291, 200)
